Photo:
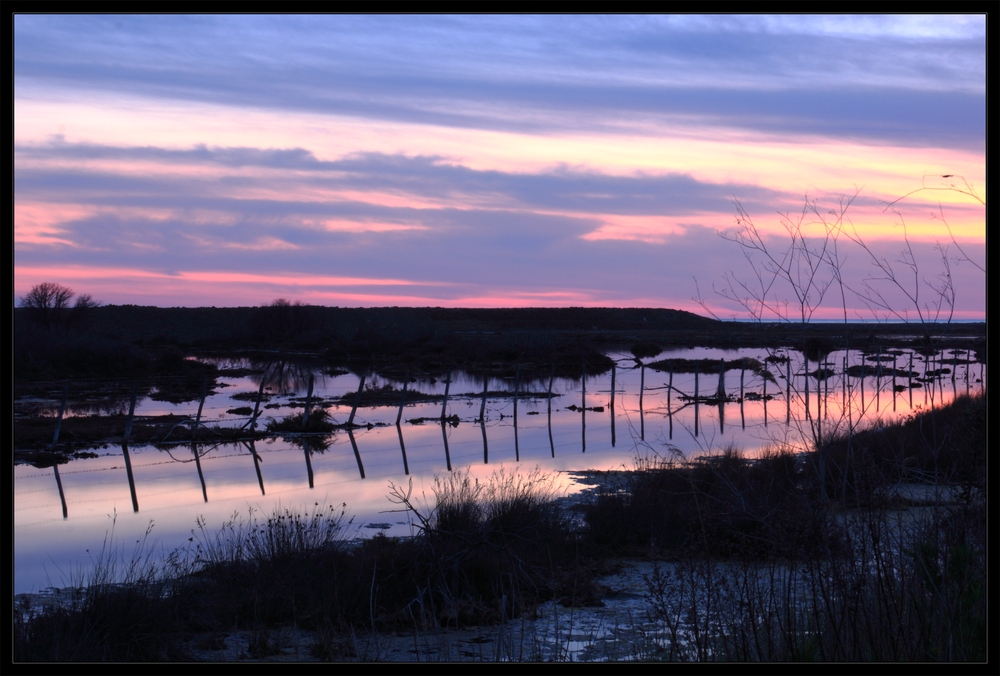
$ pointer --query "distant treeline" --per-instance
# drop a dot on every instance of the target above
(123, 339)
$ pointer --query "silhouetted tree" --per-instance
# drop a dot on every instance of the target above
(49, 303)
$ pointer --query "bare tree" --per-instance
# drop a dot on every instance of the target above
(47, 302)
(47, 295)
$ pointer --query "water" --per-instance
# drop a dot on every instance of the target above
(63, 515)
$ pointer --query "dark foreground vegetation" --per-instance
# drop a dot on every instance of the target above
(880, 557)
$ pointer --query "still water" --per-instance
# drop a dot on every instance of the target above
(63, 515)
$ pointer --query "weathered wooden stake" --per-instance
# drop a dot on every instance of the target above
(552, 377)
(764, 397)
(486, 446)
(256, 463)
(256, 407)
(402, 448)
(670, 412)
(909, 379)
(402, 402)
(696, 398)
(305, 413)
(197, 420)
(482, 406)
(613, 386)
(743, 420)
(788, 389)
(878, 382)
(612, 405)
(357, 399)
(583, 408)
(808, 416)
(444, 433)
(894, 383)
(642, 388)
(131, 414)
(62, 410)
(517, 386)
(444, 404)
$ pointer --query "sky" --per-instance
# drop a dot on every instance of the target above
(504, 161)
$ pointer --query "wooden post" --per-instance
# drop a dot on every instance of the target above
(552, 377)
(305, 414)
(583, 408)
(256, 463)
(826, 389)
(720, 393)
(482, 406)
(788, 389)
(357, 399)
(444, 405)
(444, 433)
(893, 383)
(517, 386)
(201, 406)
(878, 382)
(670, 412)
(612, 405)
(402, 448)
(843, 386)
(864, 375)
(764, 397)
(131, 413)
(486, 446)
(256, 407)
(807, 384)
(696, 398)
(743, 420)
(642, 388)
(62, 410)
(402, 402)
(612, 386)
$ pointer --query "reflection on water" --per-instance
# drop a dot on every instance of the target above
(479, 424)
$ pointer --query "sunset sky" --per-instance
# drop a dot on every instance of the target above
(491, 161)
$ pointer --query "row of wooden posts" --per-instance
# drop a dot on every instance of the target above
(721, 396)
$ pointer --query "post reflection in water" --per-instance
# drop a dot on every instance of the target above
(252, 447)
(357, 455)
(309, 467)
(331, 475)
(62, 496)
(201, 475)
(131, 479)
